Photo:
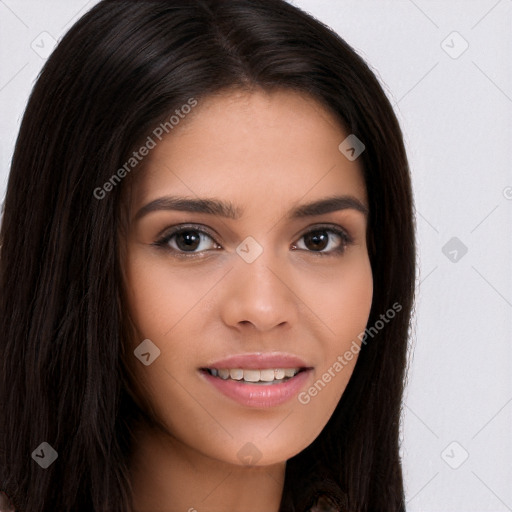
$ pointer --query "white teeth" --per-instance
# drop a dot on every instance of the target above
(224, 374)
(281, 374)
(267, 375)
(251, 375)
(264, 375)
(236, 374)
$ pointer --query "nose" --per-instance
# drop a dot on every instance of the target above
(259, 295)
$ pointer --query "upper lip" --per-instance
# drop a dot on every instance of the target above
(259, 360)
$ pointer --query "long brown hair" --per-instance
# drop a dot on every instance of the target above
(120, 70)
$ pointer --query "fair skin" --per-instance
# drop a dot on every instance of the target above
(266, 154)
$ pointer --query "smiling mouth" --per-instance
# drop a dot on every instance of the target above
(264, 376)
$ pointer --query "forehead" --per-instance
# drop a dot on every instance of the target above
(247, 145)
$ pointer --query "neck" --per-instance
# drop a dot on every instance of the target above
(170, 476)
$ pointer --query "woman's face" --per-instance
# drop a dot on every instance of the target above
(257, 283)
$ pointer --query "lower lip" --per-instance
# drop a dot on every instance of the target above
(259, 395)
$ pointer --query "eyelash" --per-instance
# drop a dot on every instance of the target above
(162, 243)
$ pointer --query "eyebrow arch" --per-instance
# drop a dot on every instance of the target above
(328, 205)
(228, 210)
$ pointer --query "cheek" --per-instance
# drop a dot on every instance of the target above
(160, 296)
(355, 300)
(341, 299)
(343, 303)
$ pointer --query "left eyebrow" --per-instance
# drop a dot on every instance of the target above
(328, 205)
(223, 209)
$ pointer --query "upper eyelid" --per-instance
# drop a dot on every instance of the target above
(168, 232)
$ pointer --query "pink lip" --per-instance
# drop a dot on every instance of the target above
(258, 360)
(258, 395)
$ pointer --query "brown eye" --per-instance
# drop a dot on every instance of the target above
(324, 241)
(187, 241)
(316, 240)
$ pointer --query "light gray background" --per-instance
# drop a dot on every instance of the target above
(456, 110)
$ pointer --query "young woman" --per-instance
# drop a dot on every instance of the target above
(207, 269)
